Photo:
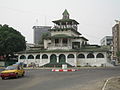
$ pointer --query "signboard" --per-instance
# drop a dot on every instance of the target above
(64, 66)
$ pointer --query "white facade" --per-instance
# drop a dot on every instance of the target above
(66, 46)
(107, 40)
(75, 61)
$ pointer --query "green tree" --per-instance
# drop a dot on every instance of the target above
(11, 41)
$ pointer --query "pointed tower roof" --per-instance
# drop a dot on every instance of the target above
(65, 14)
(65, 19)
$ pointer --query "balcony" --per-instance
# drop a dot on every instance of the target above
(59, 46)
(65, 26)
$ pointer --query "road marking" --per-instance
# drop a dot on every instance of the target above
(105, 84)
(63, 70)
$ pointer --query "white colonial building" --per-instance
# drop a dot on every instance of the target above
(65, 45)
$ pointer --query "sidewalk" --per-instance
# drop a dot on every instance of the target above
(113, 84)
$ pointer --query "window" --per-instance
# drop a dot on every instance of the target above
(53, 58)
(100, 55)
(38, 57)
(90, 55)
(75, 45)
(81, 56)
(70, 56)
(56, 40)
(44, 56)
(62, 58)
(30, 57)
(64, 41)
(22, 57)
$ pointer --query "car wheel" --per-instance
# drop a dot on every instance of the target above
(17, 75)
(23, 75)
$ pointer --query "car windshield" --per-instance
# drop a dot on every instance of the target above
(11, 68)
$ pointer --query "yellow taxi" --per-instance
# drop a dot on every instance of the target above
(12, 71)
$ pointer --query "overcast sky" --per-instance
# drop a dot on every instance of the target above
(96, 17)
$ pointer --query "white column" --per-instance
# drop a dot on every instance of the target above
(57, 58)
(40, 59)
(61, 43)
(60, 25)
(68, 43)
(75, 59)
(53, 42)
(26, 60)
(48, 58)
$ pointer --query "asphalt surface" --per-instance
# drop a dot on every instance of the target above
(41, 79)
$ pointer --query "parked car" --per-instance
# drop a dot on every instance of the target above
(12, 71)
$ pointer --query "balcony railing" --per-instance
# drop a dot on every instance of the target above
(59, 46)
(65, 26)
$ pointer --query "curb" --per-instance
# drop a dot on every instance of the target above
(105, 84)
(64, 70)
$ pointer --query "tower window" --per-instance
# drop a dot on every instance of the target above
(56, 40)
(64, 41)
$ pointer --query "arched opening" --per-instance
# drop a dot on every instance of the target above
(53, 58)
(81, 56)
(90, 55)
(70, 56)
(22, 57)
(44, 56)
(30, 57)
(38, 57)
(100, 55)
(62, 58)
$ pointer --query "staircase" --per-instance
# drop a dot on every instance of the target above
(56, 65)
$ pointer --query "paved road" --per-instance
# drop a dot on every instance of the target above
(47, 80)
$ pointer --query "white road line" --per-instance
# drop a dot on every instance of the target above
(103, 88)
